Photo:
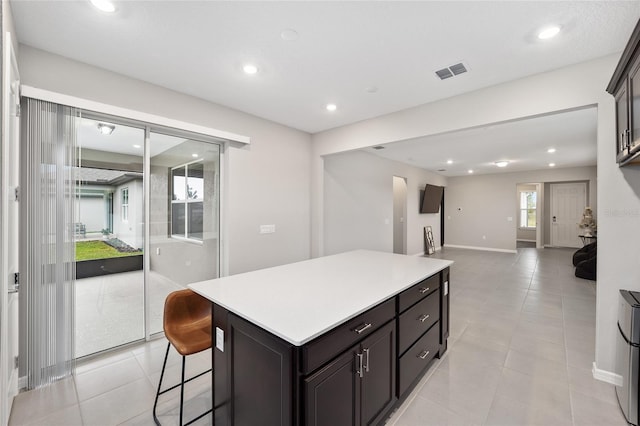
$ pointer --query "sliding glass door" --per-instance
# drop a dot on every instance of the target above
(109, 235)
(146, 224)
(183, 217)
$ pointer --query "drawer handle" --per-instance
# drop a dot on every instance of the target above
(362, 328)
(423, 318)
(423, 355)
(423, 290)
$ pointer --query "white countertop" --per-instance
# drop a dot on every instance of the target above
(300, 301)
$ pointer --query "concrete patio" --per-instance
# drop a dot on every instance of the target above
(110, 309)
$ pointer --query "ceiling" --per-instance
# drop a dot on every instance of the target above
(524, 143)
(369, 58)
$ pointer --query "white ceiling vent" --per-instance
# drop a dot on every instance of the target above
(451, 71)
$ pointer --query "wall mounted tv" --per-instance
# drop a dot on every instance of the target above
(432, 199)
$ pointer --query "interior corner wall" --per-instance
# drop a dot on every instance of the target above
(267, 182)
(478, 206)
(358, 203)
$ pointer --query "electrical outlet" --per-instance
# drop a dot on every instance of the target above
(484, 237)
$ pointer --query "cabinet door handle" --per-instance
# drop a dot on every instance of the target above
(423, 290)
(366, 360)
(422, 355)
(362, 327)
(627, 133)
(359, 370)
(423, 318)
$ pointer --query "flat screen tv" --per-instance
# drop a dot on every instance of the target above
(432, 199)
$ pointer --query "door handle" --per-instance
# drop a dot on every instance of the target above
(366, 360)
(359, 370)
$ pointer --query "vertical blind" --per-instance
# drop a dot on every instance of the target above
(47, 253)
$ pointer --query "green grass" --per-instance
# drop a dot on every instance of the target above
(89, 250)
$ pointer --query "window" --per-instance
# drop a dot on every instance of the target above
(528, 209)
(125, 204)
(187, 201)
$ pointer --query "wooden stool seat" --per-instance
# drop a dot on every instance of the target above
(187, 322)
(187, 326)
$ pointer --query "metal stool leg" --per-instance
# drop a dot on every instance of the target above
(182, 390)
(155, 404)
(181, 385)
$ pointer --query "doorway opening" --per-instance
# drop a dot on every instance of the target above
(399, 215)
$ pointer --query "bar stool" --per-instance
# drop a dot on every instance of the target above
(187, 326)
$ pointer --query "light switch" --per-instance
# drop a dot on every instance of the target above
(509, 219)
(267, 229)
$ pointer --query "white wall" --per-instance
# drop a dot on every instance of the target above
(130, 231)
(571, 87)
(266, 182)
(91, 211)
(358, 203)
(478, 206)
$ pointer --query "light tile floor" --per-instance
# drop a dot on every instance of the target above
(520, 353)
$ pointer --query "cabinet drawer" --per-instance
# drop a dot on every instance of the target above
(418, 319)
(418, 291)
(414, 361)
(334, 342)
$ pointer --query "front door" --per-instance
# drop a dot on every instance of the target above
(10, 176)
(568, 201)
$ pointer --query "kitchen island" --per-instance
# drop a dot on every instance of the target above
(337, 340)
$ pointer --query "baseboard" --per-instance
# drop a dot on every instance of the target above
(424, 254)
(481, 248)
(22, 383)
(606, 376)
(526, 241)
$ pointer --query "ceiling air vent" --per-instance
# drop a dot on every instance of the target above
(378, 147)
(451, 71)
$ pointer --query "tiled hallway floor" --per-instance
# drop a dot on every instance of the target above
(520, 353)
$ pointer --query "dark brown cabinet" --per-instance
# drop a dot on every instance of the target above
(358, 387)
(354, 374)
(625, 87)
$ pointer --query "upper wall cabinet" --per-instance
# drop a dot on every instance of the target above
(625, 87)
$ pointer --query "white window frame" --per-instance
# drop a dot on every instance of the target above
(525, 209)
(124, 209)
(186, 203)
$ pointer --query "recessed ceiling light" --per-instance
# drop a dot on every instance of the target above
(331, 107)
(548, 32)
(470, 171)
(103, 5)
(449, 161)
(551, 150)
(137, 146)
(194, 155)
(501, 163)
(106, 129)
(250, 69)
(552, 164)
(289, 34)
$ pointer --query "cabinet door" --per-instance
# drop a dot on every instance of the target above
(379, 376)
(622, 123)
(634, 107)
(332, 394)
